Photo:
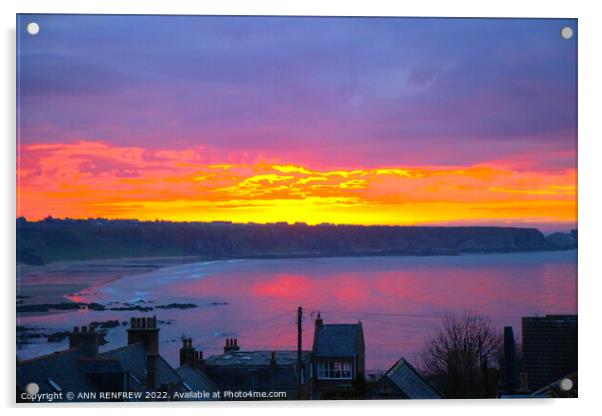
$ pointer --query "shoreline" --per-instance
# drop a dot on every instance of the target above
(61, 282)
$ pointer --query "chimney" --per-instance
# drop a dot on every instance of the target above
(510, 360)
(85, 340)
(199, 361)
(144, 331)
(318, 324)
(231, 345)
(319, 321)
(187, 353)
(152, 374)
(273, 359)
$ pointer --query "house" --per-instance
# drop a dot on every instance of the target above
(564, 387)
(403, 381)
(338, 357)
(549, 349)
(136, 369)
(191, 371)
(260, 372)
(60, 371)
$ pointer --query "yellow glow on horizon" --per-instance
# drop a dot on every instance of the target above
(89, 179)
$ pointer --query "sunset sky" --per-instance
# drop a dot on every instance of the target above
(342, 120)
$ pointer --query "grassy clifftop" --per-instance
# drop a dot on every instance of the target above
(55, 240)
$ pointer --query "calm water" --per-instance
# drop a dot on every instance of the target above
(400, 300)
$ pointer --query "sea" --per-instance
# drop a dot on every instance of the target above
(400, 300)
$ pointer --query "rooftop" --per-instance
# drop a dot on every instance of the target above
(410, 382)
(70, 370)
(132, 359)
(55, 372)
(337, 340)
(256, 358)
(194, 380)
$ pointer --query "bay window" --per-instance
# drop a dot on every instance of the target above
(334, 370)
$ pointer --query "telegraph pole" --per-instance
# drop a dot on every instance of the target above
(299, 332)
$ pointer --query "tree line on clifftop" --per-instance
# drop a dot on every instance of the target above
(51, 240)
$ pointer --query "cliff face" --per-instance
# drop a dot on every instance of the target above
(69, 239)
(562, 241)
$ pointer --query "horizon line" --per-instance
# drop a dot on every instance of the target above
(288, 223)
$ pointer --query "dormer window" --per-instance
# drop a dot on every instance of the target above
(54, 385)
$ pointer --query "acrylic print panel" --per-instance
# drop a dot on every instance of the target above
(282, 208)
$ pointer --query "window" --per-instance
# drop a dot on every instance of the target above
(334, 370)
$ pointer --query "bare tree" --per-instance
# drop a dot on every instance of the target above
(460, 354)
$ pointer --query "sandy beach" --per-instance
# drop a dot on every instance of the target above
(60, 282)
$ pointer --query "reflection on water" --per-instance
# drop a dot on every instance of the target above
(400, 300)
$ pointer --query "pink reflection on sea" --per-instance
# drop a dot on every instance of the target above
(400, 300)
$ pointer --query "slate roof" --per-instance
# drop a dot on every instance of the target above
(251, 370)
(97, 365)
(410, 382)
(132, 359)
(61, 368)
(69, 370)
(337, 340)
(255, 358)
(195, 380)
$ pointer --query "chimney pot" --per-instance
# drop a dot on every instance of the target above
(84, 339)
(139, 333)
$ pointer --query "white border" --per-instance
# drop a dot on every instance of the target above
(590, 207)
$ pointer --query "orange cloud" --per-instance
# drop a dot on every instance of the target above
(94, 179)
